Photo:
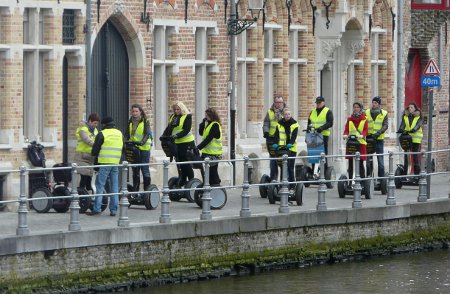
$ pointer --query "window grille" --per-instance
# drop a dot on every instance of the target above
(69, 27)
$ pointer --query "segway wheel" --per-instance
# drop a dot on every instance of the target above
(42, 205)
(299, 194)
(191, 184)
(383, 185)
(306, 175)
(152, 197)
(174, 196)
(218, 198)
(263, 189)
(61, 205)
(398, 181)
(85, 202)
(330, 175)
(198, 196)
(342, 186)
(272, 191)
(368, 188)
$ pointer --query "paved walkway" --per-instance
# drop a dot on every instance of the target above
(53, 222)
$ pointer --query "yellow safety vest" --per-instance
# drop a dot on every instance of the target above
(111, 150)
(188, 138)
(83, 147)
(377, 124)
(139, 134)
(319, 120)
(356, 132)
(273, 122)
(283, 137)
(417, 136)
(215, 146)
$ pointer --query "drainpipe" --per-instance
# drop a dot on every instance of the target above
(399, 60)
(88, 59)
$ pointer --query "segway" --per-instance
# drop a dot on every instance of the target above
(150, 197)
(345, 186)
(379, 184)
(315, 146)
(406, 144)
(274, 189)
(170, 149)
(265, 179)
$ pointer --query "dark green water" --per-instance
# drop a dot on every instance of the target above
(425, 272)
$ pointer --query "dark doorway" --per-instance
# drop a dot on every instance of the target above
(110, 77)
(65, 110)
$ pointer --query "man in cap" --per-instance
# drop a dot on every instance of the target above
(377, 119)
(321, 119)
(108, 147)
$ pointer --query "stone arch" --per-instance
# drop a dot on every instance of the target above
(381, 14)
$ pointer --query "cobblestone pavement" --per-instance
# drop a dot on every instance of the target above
(182, 211)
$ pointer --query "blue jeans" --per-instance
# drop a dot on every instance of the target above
(145, 158)
(379, 149)
(105, 172)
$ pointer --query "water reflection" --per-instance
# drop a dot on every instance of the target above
(427, 272)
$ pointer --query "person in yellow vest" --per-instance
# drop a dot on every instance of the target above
(139, 132)
(286, 135)
(377, 119)
(179, 128)
(358, 126)
(273, 115)
(211, 131)
(321, 119)
(108, 148)
(85, 134)
(412, 125)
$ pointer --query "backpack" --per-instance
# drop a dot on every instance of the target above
(36, 155)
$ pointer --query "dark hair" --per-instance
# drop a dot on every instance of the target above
(213, 114)
(416, 108)
(94, 117)
(359, 104)
(140, 109)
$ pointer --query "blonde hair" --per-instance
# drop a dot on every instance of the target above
(184, 109)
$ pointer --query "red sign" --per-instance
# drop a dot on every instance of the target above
(431, 69)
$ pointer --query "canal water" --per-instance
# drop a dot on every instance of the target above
(425, 272)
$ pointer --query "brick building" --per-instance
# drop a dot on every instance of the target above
(344, 50)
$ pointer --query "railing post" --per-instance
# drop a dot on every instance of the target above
(390, 200)
(357, 187)
(22, 227)
(165, 200)
(322, 189)
(124, 204)
(245, 196)
(284, 192)
(422, 180)
(206, 197)
(75, 203)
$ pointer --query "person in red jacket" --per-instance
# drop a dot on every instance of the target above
(358, 126)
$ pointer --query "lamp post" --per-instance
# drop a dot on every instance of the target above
(235, 27)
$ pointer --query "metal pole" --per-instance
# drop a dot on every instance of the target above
(233, 94)
(88, 59)
(357, 187)
(284, 192)
(322, 189)
(22, 227)
(165, 200)
(124, 204)
(430, 140)
(75, 203)
(422, 180)
(206, 198)
(390, 200)
(245, 196)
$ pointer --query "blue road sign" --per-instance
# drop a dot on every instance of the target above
(430, 81)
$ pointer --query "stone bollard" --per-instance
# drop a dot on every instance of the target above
(22, 227)
(245, 196)
(124, 204)
(206, 197)
(422, 180)
(322, 189)
(357, 187)
(75, 203)
(390, 200)
(165, 200)
(284, 192)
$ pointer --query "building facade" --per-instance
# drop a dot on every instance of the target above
(158, 52)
